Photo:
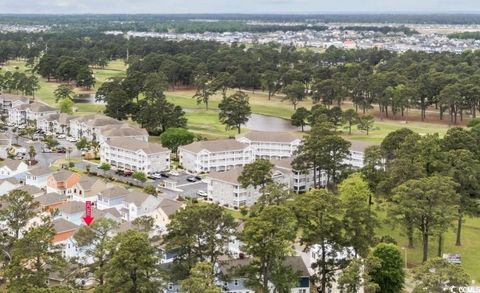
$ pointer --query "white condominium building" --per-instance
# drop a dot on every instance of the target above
(215, 155)
(300, 181)
(135, 155)
(357, 154)
(8, 101)
(224, 188)
(88, 126)
(271, 145)
(56, 123)
(34, 111)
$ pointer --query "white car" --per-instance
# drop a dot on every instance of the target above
(202, 193)
(71, 139)
(174, 173)
(61, 136)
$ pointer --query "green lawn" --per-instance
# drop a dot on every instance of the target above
(469, 250)
(45, 93)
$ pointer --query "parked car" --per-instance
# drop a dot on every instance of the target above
(155, 175)
(202, 193)
(127, 173)
(173, 173)
(164, 175)
(71, 139)
(192, 179)
(46, 150)
(61, 150)
(61, 136)
(198, 178)
(119, 172)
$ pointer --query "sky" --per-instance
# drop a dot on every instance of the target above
(237, 6)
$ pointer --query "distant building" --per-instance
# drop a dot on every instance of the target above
(34, 111)
(215, 155)
(271, 145)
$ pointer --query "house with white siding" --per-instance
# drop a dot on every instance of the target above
(233, 281)
(135, 155)
(13, 168)
(87, 188)
(138, 204)
(271, 145)
(111, 198)
(8, 184)
(215, 155)
(38, 177)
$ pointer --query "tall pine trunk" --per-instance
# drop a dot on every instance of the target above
(459, 231)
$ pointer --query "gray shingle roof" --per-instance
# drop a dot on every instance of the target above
(169, 206)
(269, 136)
(230, 176)
(61, 225)
(72, 207)
(40, 171)
(62, 175)
(135, 145)
(12, 164)
(215, 145)
(122, 130)
(137, 198)
(10, 97)
(114, 192)
(40, 107)
(32, 190)
(50, 198)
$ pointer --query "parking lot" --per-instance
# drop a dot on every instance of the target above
(189, 189)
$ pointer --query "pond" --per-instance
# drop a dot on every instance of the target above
(260, 122)
(86, 99)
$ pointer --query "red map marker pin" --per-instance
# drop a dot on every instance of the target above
(88, 213)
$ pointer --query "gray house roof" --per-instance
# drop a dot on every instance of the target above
(40, 171)
(50, 198)
(114, 192)
(61, 225)
(12, 164)
(72, 207)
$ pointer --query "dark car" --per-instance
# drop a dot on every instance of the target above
(61, 150)
(127, 173)
(192, 179)
(119, 172)
(198, 178)
(164, 175)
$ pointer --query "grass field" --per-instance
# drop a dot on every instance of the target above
(206, 123)
(469, 250)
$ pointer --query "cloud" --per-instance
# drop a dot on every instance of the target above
(234, 6)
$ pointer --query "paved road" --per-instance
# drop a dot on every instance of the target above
(46, 159)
